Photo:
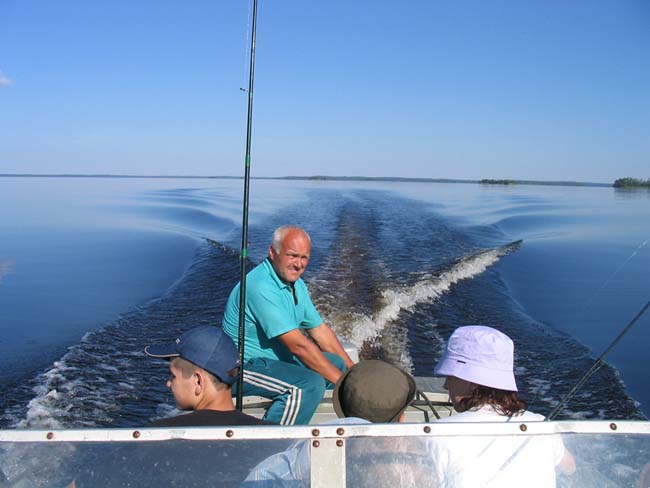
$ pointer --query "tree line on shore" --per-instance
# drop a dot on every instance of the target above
(619, 183)
(632, 183)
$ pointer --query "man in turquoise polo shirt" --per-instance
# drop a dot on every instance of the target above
(281, 363)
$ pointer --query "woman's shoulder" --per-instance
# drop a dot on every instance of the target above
(530, 416)
(488, 414)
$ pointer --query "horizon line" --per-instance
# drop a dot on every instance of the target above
(314, 177)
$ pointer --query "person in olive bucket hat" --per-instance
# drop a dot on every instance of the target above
(375, 391)
(372, 391)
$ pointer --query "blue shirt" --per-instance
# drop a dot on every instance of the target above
(271, 310)
(290, 468)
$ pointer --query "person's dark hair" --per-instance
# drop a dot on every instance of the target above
(187, 369)
(220, 385)
(504, 402)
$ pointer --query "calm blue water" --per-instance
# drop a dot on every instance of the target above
(92, 270)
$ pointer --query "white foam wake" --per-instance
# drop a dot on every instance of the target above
(44, 410)
(67, 396)
(394, 301)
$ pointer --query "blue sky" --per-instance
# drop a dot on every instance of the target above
(543, 90)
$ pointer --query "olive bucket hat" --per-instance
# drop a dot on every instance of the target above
(373, 390)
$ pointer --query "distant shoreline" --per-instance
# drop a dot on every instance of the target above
(319, 178)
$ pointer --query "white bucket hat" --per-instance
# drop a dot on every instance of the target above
(481, 355)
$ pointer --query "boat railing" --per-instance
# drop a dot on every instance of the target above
(607, 453)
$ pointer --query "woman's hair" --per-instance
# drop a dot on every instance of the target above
(503, 401)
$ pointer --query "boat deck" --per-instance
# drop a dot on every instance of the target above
(420, 410)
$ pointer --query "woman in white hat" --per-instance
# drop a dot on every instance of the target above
(478, 366)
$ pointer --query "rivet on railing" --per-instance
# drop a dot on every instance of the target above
(340, 431)
(229, 433)
(339, 443)
(50, 435)
(427, 429)
(136, 434)
(315, 432)
(315, 443)
(613, 426)
(523, 427)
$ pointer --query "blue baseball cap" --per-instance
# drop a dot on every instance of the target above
(207, 347)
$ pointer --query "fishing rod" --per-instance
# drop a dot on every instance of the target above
(580, 313)
(597, 364)
(244, 234)
(561, 404)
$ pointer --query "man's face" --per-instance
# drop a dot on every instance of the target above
(182, 388)
(458, 389)
(290, 263)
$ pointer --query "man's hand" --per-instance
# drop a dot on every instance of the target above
(328, 341)
(309, 353)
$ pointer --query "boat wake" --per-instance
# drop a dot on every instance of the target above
(105, 379)
(394, 301)
(387, 273)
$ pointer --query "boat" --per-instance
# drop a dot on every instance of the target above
(331, 452)
(607, 453)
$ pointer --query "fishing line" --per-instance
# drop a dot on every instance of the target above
(246, 56)
(246, 46)
(610, 278)
(597, 364)
(636, 251)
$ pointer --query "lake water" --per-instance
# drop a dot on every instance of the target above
(94, 269)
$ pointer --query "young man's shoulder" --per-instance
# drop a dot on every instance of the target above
(209, 418)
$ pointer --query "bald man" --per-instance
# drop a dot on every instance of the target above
(281, 363)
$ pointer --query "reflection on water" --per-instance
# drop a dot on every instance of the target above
(632, 193)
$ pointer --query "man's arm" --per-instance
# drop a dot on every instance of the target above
(328, 341)
(308, 352)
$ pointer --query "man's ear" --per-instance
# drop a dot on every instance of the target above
(272, 253)
(199, 382)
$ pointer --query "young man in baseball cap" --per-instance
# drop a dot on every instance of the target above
(203, 365)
